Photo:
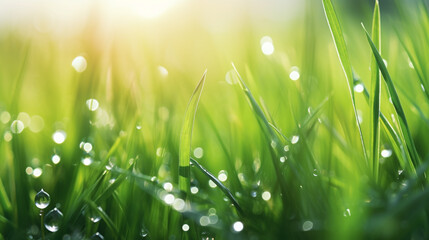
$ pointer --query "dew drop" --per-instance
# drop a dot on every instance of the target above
(347, 213)
(53, 220)
(295, 139)
(94, 216)
(266, 195)
(238, 226)
(92, 104)
(315, 172)
(97, 236)
(386, 153)
(358, 88)
(185, 227)
(79, 64)
(17, 126)
(223, 175)
(307, 226)
(198, 152)
(59, 136)
(42, 199)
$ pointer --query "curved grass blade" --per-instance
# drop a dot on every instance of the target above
(340, 45)
(396, 104)
(374, 99)
(186, 136)
(222, 187)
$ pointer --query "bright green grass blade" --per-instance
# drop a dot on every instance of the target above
(340, 44)
(396, 104)
(186, 136)
(374, 99)
(222, 187)
(4, 200)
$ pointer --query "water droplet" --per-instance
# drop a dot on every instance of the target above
(400, 171)
(194, 190)
(423, 87)
(266, 195)
(286, 148)
(29, 170)
(283, 159)
(315, 172)
(97, 236)
(53, 220)
(347, 213)
(307, 226)
(253, 194)
(87, 161)
(37, 172)
(294, 73)
(56, 159)
(386, 153)
(94, 216)
(358, 88)
(267, 46)
(17, 126)
(410, 64)
(295, 139)
(59, 136)
(169, 199)
(179, 204)
(198, 152)
(185, 227)
(223, 176)
(163, 71)
(168, 186)
(231, 77)
(79, 64)
(143, 233)
(212, 184)
(238, 226)
(42, 199)
(92, 104)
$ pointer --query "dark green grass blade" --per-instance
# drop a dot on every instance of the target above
(222, 187)
(374, 100)
(340, 44)
(186, 136)
(396, 103)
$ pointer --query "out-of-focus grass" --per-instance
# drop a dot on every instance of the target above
(277, 137)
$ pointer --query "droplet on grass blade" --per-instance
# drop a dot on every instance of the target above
(42, 199)
(223, 176)
(358, 88)
(97, 236)
(79, 64)
(92, 104)
(37, 172)
(266, 195)
(53, 220)
(386, 153)
(185, 227)
(295, 139)
(294, 73)
(17, 126)
(307, 226)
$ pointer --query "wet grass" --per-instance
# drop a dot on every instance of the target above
(286, 142)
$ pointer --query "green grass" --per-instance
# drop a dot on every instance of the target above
(250, 151)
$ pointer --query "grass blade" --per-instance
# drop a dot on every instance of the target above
(186, 136)
(340, 44)
(374, 99)
(396, 103)
(222, 187)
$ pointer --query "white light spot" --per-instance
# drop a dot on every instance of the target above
(386, 153)
(168, 186)
(204, 221)
(358, 88)
(7, 136)
(185, 227)
(160, 152)
(59, 136)
(169, 199)
(294, 75)
(36, 124)
(17, 127)
(79, 64)
(385, 62)
(286, 148)
(295, 139)
(266, 195)
(283, 159)
(92, 104)
(410, 64)
(29, 170)
(5, 117)
(198, 152)
(194, 190)
(223, 176)
(231, 77)
(212, 184)
(179, 204)
(37, 172)
(56, 159)
(87, 147)
(238, 226)
(163, 71)
(267, 46)
(87, 161)
(307, 226)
